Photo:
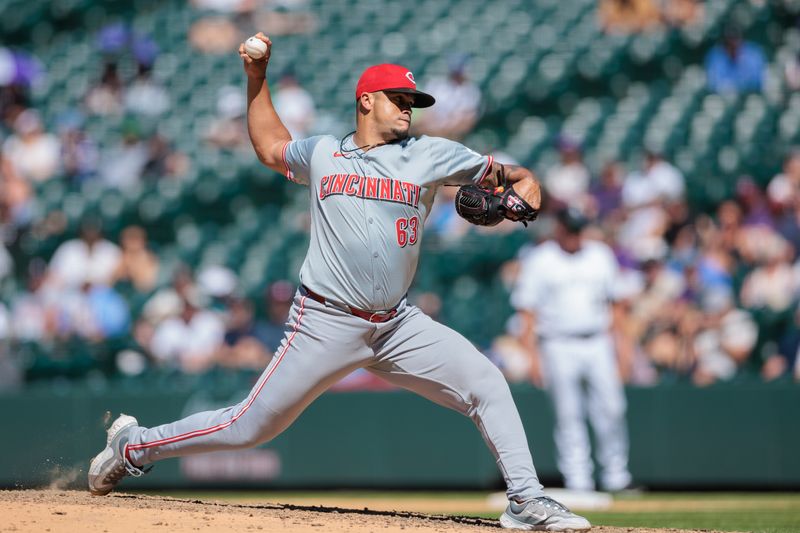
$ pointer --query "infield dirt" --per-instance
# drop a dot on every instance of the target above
(56, 511)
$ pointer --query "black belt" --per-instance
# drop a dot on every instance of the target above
(382, 316)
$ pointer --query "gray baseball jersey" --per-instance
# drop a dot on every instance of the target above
(368, 211)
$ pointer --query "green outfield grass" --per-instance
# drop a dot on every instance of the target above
(750, 512)
(755, 512)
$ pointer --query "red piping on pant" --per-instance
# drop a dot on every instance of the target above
(218, 427)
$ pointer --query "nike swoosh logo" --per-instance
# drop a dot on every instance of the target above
(542, 517)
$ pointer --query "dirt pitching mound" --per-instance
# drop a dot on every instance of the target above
(69, 511)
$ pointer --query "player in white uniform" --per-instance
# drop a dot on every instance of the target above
(370, 193)
(565, 295)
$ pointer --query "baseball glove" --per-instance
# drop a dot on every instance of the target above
(484, 207)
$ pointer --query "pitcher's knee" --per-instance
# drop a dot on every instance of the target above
(252, 436)
(491, 386)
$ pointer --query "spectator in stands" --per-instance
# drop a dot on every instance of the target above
(509, 354)
(214, 35)
(166, 302)
(295, 106)
(278, 298)
(217, 285)
(145, 96)
(245, 342)
(285, 17)
(667, 343)
(655, 315)
(791, 72)
(144, 50)
(14, 99)
(16, 200)
(662, 286)
(606, 192)
(224, 6)
(755, 208)
(93, 312)
(19, 70)
(783, 190)
(34, 154)
(628, 16)
(79, 153)
(137, 263)
(727, 230)
(658, 181)
(87, 259)
(735, 65)
(725, 341)
(123, 164)
(780, 361)
(106, 97)
(34, 311)
(715, 263)
(683, 12)
(783, 194)
(646, 197)
(190, 341)
(458, 103)
(773, 283)
(164, 161)
(112, 39)
(229, 128)
(683, 250)
(568, 181)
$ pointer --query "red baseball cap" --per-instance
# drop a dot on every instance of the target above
(395, 78)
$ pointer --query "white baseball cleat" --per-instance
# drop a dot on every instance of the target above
(542, 514)
(110, 466)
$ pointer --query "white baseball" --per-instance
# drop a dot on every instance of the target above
(255, 47)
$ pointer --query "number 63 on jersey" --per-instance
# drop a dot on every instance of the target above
(407, 231)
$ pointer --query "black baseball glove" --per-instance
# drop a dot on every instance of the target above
(484, 207)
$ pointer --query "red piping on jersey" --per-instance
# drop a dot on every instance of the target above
(218, 427)
(289, 174)
(488, 169)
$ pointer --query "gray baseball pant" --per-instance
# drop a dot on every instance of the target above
(324, 343)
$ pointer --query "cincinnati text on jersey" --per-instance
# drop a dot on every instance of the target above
(370, 188)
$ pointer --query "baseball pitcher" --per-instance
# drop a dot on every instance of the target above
(370, 193)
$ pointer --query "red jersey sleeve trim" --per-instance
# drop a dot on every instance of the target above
(488, 169)
(289, 174)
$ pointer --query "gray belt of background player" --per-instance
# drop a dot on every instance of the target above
(582, 335)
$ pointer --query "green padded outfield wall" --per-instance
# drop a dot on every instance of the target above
(735, 436)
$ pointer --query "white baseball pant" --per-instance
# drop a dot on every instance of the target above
(582, 377)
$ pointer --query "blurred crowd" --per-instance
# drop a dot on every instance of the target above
(633, 16)
(117, 299)
(709, 297)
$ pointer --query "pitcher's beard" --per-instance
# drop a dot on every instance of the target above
(400, 135)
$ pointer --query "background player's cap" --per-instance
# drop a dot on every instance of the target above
(573, 219)
(396, 78)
